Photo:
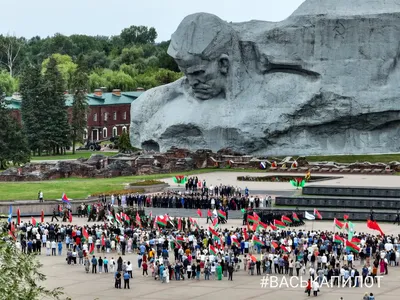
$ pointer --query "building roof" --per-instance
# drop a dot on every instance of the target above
(93, 100)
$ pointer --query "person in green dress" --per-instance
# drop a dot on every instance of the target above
(219, 272)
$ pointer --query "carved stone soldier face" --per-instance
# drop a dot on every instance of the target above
(207, 78)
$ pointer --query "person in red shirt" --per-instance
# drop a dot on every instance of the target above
(308, 287)
(144, 267)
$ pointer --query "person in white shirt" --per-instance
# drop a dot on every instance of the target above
(315, 287)
(48, 247)
(53, 248)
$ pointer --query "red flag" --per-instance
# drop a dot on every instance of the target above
(345, 217)
(274, 244)
(317, 214)
(103, 241)
(215, 222)
(273, 227)
(253, 258)
(213, 232)
(284, 249)
(33, 221)
(42, 217)
(199, 213)
(256, 216)
(70, 217)
(374, 226)
(179, 224)
(18, 216)
(209, 213)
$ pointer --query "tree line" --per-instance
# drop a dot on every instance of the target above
(126, 61)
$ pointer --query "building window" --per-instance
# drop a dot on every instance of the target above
(114, 132)
(124, 129)
(85, 134)
(124, 115)
(105, 116)
(95, 117)
(104, 132)
(115, 116)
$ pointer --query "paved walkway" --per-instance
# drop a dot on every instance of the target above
(79, 285)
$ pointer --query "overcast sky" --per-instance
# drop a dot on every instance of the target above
(108, 17)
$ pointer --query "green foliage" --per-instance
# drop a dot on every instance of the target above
(147, 183)
(126, 61)
(124, 143)
(79, 105)
(8, 84)
(20, 278)
(13, 144)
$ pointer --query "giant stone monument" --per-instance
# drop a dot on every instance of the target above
(325, 80)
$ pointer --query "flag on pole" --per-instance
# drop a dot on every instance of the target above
(252, 219)
(274, 244)
(213, 250)
(199, 213)
(279, 224)
(213, 232)
(262, 225)
(295, 217)
(339, 225)
(70, 217)
(215, 223)
(91, 250)
(286, 250)
(309, 216)
(257, 241)
(273, 227)
(255, 215)
(374, 226)
(245, 234)
(10, 211)
(18, 216)
(253, 258)
(236, 242)
(338, 239)
(355, 240)
(286, 220)
(161, 220)
(42, 217)
(345, 217)
(85, 233)
(33, 221)
(222, 214)
(65, 199)
(350, 231)
(118, 218)
(317, 214)
(352, 247)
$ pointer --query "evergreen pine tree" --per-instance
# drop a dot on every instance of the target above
(79, 106)
(124, 143)
(56, 120)
(13, 143)
(33, 108)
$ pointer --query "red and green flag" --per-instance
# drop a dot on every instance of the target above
(317, 214)
(274, 244)
(257, 241)
(295, 217)
(33, 221)
(215, 222)
(213, 250)
(199, 213)
(180, 239)
(85, 233)
(286, 220)
(221, 214)
(338, 239)
(262, 225)
(91, 251)
(213, 232)
(236, 242)
(138, 220)
(355, 240)
(253, 258)
(284, 249)
(279, 224)
(179, 224)
(273, 227)
(161, 220)
(338, 224)
(352, 247)
(245, 234)
(251, 219)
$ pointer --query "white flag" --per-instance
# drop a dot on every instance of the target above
(309, 216)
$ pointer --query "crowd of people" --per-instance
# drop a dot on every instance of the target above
(194, 253)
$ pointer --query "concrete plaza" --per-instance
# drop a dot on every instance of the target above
(79, 285)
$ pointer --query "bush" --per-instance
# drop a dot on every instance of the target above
(119, 192)
(146, 183)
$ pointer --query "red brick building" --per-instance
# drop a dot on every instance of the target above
(109, 113)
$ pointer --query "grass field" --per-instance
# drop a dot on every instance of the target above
(383, 158)
(69, 155)
(80, 188)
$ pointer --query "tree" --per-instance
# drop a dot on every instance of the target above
(33, 108)
(55, 121)
(124, 143)
(8, 84)
(20, 276)
(65, 66)
(79, 106)
(13, 144)
(138, 35)
(10, 48)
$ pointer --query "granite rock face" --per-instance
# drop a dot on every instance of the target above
(325, 80)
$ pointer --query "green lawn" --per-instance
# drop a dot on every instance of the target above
(69, 155)
(80, 188)
(383, 158)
